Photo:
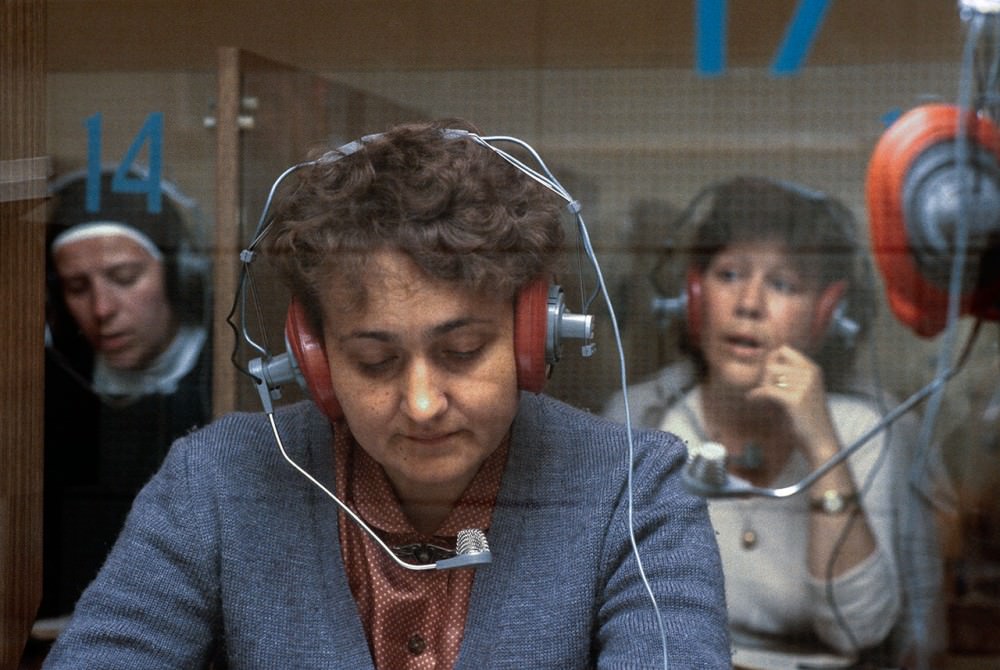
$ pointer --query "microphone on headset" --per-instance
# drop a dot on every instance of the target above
(269, 373)
(705, 472)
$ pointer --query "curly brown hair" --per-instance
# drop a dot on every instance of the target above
(459, 211)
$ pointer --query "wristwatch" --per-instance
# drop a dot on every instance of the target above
(833, 501)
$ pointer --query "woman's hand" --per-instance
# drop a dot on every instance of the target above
(793, 381)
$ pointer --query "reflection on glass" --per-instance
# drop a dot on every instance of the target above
(774, 304)
(127, 363)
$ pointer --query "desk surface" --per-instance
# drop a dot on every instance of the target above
(973, 662)
(759, 659)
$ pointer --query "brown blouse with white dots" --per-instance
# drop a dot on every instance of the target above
(414, 620)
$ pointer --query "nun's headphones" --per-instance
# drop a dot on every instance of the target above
(541, 320)
(830, 318)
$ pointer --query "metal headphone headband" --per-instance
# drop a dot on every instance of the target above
(545, 177)
(668, 307)
(479, 553)
(687, 215)
(542, 176)
(170, 189)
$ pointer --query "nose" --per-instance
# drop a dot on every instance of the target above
(103, 301)
(751, 298)
(423, 396)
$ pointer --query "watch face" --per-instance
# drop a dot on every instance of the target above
(832, 502)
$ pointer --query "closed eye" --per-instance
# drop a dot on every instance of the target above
(378, 368)
(126, 275)
(462, 355)
(76, 287)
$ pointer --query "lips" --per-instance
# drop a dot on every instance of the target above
(430, 440)
(744, 345)
(113, 342)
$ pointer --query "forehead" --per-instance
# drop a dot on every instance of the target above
(774, 258)
(392, 286)
(769, 252)
(96, 253)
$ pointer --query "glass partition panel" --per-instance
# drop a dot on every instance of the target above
(128, 330)
(730, 211)
(285, 116)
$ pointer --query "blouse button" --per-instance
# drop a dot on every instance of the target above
(416, 644)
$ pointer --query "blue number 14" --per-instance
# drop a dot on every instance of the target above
(151, 136)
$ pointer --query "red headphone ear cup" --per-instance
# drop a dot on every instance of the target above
(694, 306)
(825, 306)
(310, 355)
(530, 332)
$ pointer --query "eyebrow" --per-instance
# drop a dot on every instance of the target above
(436, 331)
(103, 270)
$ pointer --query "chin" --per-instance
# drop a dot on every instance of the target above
(740, 377)
(123, 364)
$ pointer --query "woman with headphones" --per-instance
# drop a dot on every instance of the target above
(127, 366)
(349, 530)
(771, 271)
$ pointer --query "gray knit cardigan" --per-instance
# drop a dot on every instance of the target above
(229, 552)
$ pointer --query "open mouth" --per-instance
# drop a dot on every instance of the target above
(744, 344)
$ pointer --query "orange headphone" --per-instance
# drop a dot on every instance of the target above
(914, 201)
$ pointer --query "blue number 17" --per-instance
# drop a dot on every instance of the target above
(801, 32)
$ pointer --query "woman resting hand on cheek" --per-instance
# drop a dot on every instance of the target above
(771, 264)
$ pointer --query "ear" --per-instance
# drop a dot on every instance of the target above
(694, 307)
(825, 306)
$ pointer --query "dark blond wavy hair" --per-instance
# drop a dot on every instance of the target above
(817, 231)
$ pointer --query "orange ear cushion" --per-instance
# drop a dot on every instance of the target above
(311, 357)
(917, 303)
(694, 306)
(530, 332)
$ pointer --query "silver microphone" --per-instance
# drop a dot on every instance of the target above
(471, 548)
(705, 473)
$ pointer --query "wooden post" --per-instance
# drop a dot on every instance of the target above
(24, 169)
(227, 227)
